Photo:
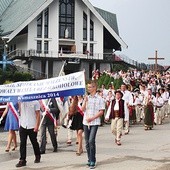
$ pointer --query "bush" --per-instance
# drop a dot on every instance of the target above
(106, 80)
(19, 76)
(14, 76)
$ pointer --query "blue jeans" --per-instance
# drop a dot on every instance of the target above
(90, 139)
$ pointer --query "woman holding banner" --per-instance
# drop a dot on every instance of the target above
(11, 123)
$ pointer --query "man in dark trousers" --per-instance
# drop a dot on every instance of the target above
(49, 121)
(29, 123)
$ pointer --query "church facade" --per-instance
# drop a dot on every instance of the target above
(47, 36)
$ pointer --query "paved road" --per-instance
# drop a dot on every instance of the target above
(140, 150)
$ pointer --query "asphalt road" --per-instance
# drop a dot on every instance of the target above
(140, 150)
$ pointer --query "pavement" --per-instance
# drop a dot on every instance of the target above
(140, 150)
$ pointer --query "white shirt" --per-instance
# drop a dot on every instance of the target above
(28, 115)
(158, 101)
(116, 107)
(165, 96)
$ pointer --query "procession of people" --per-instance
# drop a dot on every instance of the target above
(142, 98)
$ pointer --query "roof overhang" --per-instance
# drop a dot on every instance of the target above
(106, 25)
(27, 21)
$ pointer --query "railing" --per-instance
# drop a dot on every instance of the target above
(68, 54)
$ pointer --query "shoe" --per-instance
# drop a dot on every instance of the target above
(42, 152)
(13, 149)
(92, 165)
(118, 143)
(37, 159)
(126, 133)
(68, 142)
(21, 163)
(64, 126)
(78, 153)
(7, 150)
(88, 164)
(55, 150)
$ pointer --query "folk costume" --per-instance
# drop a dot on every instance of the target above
(116, 113)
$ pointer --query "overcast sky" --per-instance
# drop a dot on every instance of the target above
(144, 25)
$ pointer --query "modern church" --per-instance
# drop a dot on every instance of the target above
(51, 36)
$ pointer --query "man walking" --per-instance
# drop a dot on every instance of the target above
(94, 107)
(49, 122)
(29, 124)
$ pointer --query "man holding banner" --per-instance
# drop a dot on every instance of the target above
(29, 124)
(51, 112)
(28, 93)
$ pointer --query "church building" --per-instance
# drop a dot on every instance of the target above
(48, 36)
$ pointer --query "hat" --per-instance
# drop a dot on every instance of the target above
(118, 91)
(136, 90)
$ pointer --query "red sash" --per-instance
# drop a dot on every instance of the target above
(14, 112)
(80, 111)
(47, 112)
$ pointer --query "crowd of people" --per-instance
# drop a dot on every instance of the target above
(143, 98)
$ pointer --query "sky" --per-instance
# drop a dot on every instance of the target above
(144, 25)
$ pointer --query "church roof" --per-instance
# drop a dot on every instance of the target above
(110, 18)
(15, 15)
(19, 13)
(4, 5)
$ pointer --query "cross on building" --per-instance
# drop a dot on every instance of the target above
(156, 60)
(4, 62)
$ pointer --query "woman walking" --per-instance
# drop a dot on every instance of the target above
(11, 124)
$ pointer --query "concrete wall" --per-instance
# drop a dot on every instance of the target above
(57, 65)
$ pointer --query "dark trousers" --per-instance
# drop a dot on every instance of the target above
(24, 133)
(90, 139)
(44, 138)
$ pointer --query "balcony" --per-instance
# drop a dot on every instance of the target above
(68, 55)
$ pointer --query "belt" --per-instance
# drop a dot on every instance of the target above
(158, 106)
(116, 113)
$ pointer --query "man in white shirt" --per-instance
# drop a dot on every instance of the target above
(29, 124)
(158, 102)
(127, 97)
(116, 114)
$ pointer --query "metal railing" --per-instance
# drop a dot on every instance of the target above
(68, 54)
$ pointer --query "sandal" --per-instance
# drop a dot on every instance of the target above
(79, 153)
(7, 150)
(13, 149)
(118, 143)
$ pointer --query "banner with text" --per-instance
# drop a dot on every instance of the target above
(68, 85)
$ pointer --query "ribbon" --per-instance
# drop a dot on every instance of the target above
(15, 113)
(45, 107)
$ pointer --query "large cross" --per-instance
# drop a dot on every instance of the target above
(4, 62)
(156, 60)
